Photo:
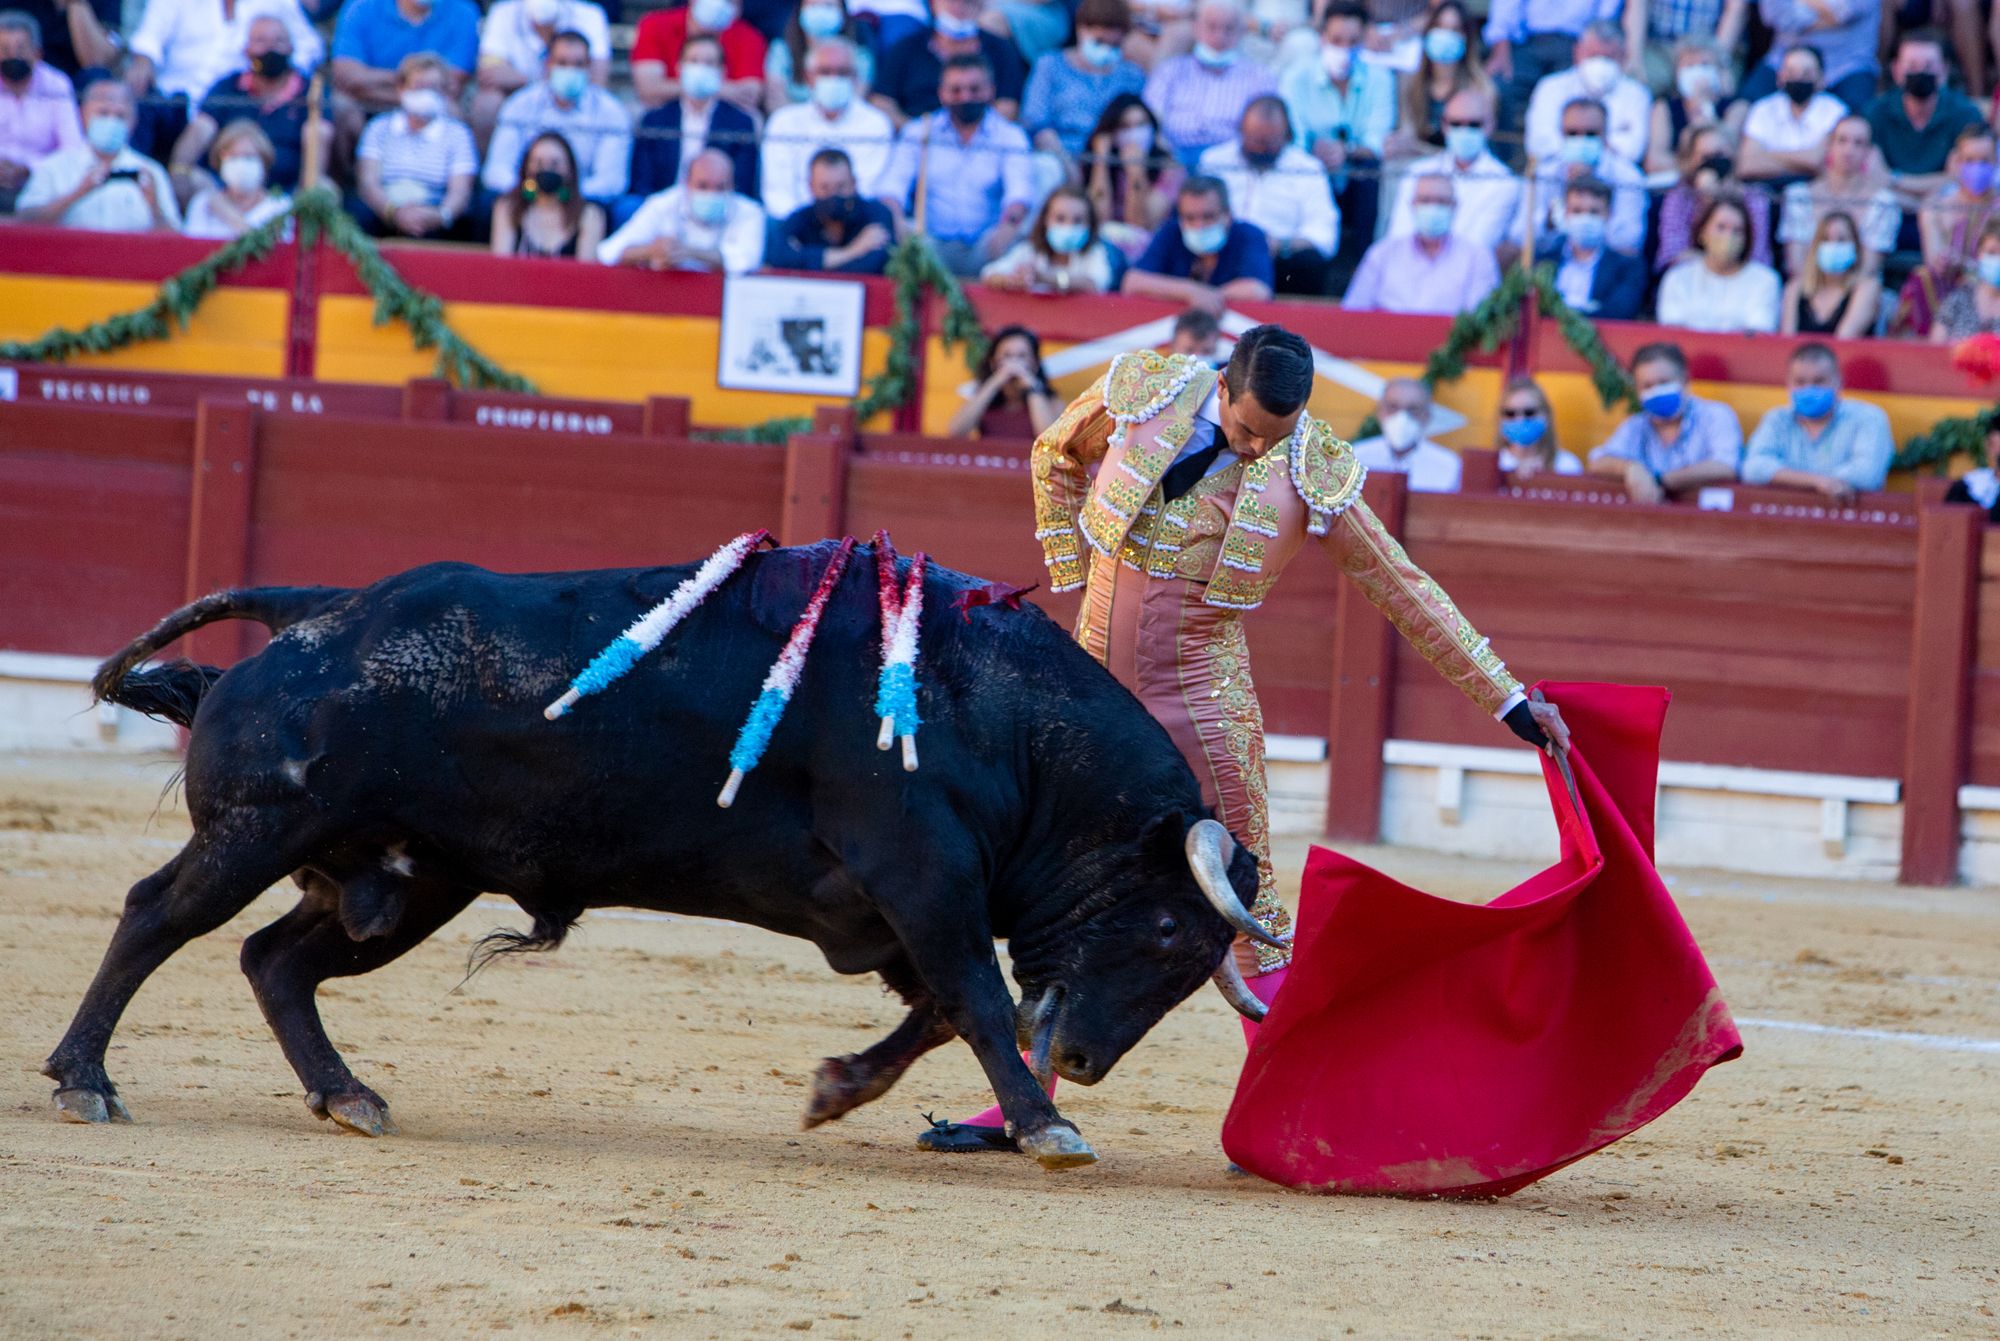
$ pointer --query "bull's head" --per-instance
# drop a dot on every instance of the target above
(1092, 989)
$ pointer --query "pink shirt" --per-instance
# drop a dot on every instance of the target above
(44, 120)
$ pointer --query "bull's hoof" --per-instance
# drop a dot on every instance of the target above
(1056, 1147)
(833, 1093)
(362, 1114)
(95, 1106)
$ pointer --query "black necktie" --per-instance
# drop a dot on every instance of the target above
(1185, 473)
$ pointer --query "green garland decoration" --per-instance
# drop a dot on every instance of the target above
(1497, 319)
(915, 267)
(318, 215)
(1946, 439)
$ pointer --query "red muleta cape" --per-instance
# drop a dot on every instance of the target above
(1423, 1047)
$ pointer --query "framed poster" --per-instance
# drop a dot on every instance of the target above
(801, 336)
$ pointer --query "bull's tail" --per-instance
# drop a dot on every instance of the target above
(551, 927)
(172, 692)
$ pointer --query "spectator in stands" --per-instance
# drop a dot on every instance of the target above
(375, 37)
(1708, 167)
(840, 229)
(514, 46)
(1061, 254)
(265, 90)
(1528, 39)
(181, 48)
(38, 115)
(1033, 27)
(1012, 398)
(1198, 333)
(241, 155)
(546, 214)
(1676, 443)
(1852, 182)
(1918, 120)
(1844, 35)
(1403, 412)
(1973, 305)
(1955, 216)
(1199, 96)
(102, 184)
(564, 100)
(1657, 33)
(1202, 257)
(1785, 133)
(1343, 108)
(963, 170)
(913, 70)
(1719, 288)
(1702, 94)
(1528, 433)
(1449, 62)
(662, 36)
(702, 224)
(1068, 90)
(1598, 75)
(1428, 271)
(1281, 189)
(74, 36)
(1132, 179)
(1822, 440)
(1833, 293)
(415, 167)
(696, 118)
(1592, 275)
(836, 116)
(1489, 195)
(1583, 154)
(785, 78)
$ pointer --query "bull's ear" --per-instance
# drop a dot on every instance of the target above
(1167, 832)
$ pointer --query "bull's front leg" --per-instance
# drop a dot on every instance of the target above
(843, 1084)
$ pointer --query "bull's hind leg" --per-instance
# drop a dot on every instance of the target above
(288, 960)
(205, 885)
(843, 1084)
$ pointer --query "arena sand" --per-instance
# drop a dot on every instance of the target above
(603, 1142)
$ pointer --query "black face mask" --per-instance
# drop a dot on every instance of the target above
(15, 70)
(968, 113)
(1800, 91)
(840, 210)
(1719, 164)
(549, 182)
(1921, 84)
(1261, 162)
(272, 64)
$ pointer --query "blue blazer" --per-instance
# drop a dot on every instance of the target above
(1619, 286)
(656, 147)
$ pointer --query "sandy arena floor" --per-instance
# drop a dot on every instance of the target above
(603, 1142)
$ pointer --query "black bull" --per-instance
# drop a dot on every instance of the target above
(388, 751)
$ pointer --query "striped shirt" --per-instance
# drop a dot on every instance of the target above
(417, 165)
(1200, 106)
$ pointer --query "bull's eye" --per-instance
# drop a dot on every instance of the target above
(1169, 928)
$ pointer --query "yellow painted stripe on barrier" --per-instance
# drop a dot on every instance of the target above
(601, 355)
(237, 330)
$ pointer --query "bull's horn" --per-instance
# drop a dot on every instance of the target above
(1236, 992)
(1209, 848)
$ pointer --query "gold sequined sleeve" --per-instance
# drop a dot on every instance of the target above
(1418, 607)
(1061, 465)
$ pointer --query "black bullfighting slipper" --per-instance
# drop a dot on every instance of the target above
(961, 1138)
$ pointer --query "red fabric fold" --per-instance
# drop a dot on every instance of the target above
(1424, 1047)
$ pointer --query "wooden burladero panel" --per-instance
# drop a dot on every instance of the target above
(1985, 745)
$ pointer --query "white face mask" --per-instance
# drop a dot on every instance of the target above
(243, 173)
(1402, 430)
(422, 104)
(1336, 61)
(1599, 73)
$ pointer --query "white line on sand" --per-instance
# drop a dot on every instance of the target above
(1943, 1042)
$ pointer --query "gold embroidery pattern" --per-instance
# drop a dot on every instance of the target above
(1057, 468)
(1325, 471)
(1422, 612)
(1242, 728)
(1162, 533)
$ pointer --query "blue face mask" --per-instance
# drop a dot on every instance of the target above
(1208, 241)
(821, 20)
(107, 134)
(1524, 432)
(1098, 55)
(1813, 402)
(1584, 149)
(1835, 257)
(1989, 264)
(1585, 231)
(700, 82)
(1433, 221)
(709, 207)
(1444, 46)
(1664, 401)
(568, 83)
(1465, 142)
(1068, 239)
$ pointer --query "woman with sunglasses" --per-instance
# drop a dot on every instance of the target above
(1528, 434)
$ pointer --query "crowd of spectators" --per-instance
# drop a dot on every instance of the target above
(1798, 165)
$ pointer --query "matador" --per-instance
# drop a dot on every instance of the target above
(1173, 495)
